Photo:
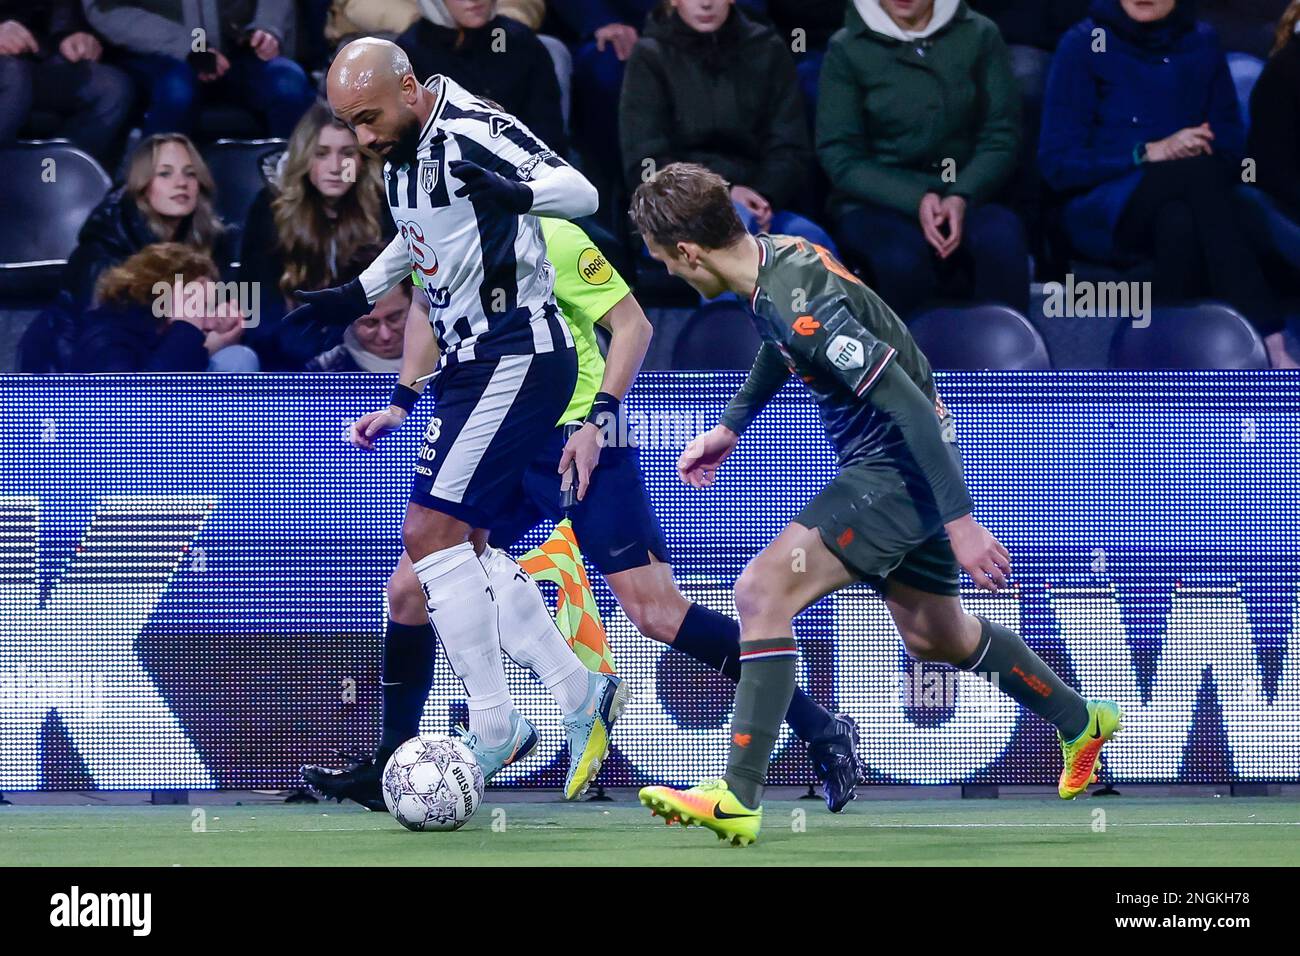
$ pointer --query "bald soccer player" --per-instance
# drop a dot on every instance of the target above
(466, 183)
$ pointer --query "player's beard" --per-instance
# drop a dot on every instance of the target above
(407, 143)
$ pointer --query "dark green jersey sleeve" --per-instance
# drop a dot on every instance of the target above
(765, 380)
(833, 341)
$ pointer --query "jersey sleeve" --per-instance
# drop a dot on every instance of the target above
(764, 380)
(586, 284)
(496, 140)
(510, 141)
(832, 338)
(387, 269)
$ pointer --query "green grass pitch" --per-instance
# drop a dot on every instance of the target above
(1137, 831)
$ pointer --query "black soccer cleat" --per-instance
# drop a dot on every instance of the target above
(359, 781)
(835, 760)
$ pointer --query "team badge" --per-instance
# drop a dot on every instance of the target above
(845, 353)
(429, 174)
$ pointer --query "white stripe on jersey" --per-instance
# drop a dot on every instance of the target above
(480, 427)
(485, 273)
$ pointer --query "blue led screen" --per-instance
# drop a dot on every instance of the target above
(192, 571)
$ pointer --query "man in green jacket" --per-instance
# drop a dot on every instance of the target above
(918, 127)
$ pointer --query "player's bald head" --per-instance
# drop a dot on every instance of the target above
(371, 88)
(367, 65)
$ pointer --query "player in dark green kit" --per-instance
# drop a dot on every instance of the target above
(897, 515)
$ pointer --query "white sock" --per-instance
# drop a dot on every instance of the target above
(529, 634)
(464, 617)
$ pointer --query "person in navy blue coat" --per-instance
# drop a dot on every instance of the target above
(1143, 139)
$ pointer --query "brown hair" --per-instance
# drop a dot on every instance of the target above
(133, 282)
(685, 202)
(1286, 27)
(303, 228)
(203, 227)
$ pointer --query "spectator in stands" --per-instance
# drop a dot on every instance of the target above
(918, 129)
(491, 56)
(607, 30)
(372, 343)
(708, 85)
(1145, 142)
(354, 18)
(245, 60)
(168, 197)
(325, 212)
(50, 62)
(162, 311)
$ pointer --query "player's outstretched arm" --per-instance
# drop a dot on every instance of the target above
(342, 304)
(419, 359)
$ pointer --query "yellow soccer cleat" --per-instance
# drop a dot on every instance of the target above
(711, 805)
(1082, 756)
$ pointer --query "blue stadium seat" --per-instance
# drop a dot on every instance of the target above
(980, 337)
(237, 167)
(1245, 70)
(48, 189)
(718, 337)
(1208, 335)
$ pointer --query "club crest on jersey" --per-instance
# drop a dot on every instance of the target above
(429, 174)
(845, 353)
(498, 124)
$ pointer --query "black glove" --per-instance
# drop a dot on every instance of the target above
(483, 185)
(336, 306)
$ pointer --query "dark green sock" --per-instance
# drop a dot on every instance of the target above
(767, 673)
(1022, 676)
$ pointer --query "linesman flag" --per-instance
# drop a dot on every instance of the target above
(559, 560)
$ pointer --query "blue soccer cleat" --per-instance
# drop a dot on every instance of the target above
(588, 731)
(521, 742)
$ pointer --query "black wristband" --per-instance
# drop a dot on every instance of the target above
(404, 397)
(603, 403)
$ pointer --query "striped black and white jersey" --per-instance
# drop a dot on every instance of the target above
(485, 271)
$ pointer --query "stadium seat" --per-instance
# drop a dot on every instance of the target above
(719, 336)
(47, 191)
(1245, 71)
(239, 169)
(1207, 335)
(980, 337)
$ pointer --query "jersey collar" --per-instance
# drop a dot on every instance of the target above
(436, 83)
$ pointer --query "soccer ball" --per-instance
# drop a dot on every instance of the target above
(432, 782)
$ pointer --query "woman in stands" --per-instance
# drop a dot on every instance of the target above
(1143, 138)
(491, 55)
(706, 84)
(918, 127)
(168, 197)
(310, 230)
(189, 328)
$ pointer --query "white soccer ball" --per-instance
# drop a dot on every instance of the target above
(432, 782)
